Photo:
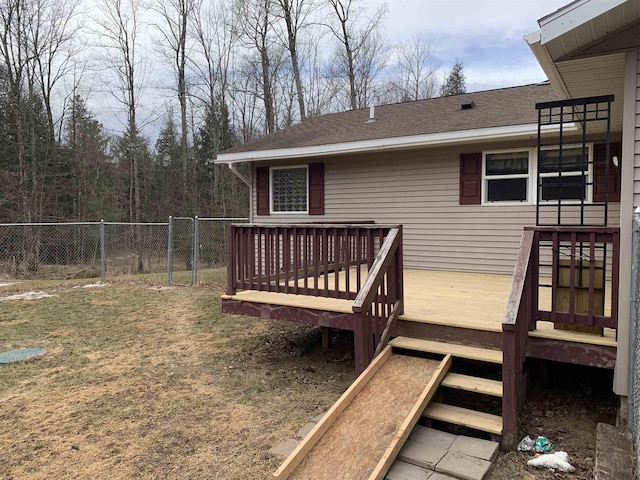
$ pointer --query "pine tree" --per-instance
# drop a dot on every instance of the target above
(454, 84)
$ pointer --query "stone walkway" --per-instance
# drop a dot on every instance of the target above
(428, 454)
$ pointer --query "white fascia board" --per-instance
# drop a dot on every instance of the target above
(573, 15)
(379, 144)
(548, 66)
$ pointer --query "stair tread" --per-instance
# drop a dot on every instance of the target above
(461, 351)
(473, 384)
(465, 417)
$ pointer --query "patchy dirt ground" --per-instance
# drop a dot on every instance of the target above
(144, 382)
(564, 404)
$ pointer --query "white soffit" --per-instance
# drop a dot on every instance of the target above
(584, 22)
(394, 143)
(589, 77)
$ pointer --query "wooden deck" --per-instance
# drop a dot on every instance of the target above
(453, 299)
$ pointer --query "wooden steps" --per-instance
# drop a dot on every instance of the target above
(473, 384)
(485, 422)
(460, 351)
(456, 415)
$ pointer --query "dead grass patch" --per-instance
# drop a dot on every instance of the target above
(154, 384)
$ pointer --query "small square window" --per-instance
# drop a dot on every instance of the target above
(289, 190)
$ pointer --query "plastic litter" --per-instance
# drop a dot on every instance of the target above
(543, 445)
(557, 461)
(527, 444)
(535, 444)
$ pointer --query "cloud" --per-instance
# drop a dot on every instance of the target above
(486, 35)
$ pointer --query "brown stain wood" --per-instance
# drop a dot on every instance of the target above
(360, 436)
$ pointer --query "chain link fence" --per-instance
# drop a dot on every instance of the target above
(634, 394)
(178, 250)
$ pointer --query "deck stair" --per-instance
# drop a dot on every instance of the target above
(441, 411)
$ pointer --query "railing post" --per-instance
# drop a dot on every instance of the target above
(399, 260)
(231, 260)
(362, 341)
(509, 388)
(103, 253)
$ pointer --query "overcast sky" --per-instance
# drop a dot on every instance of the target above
(486, 35)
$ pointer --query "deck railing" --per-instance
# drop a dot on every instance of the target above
(322, 260)
(515, 327)
(353, 262)
(381, 297)
(575, 263)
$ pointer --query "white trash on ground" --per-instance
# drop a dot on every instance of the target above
(28, 296)
(558, 461)
(91, 285)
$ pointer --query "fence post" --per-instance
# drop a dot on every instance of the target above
(103, 255)
(170, 251)
(194, 253)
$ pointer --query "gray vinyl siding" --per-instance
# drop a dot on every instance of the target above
(420, 190)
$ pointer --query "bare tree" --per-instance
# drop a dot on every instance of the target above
(215, 31)
(416, 71)
(118, 31)
(52, 36)
(359, 46)
(295, 13)
(256, 27)
(176, 16)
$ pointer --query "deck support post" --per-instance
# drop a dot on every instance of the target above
(326, 334)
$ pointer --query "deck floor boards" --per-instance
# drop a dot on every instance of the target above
(467, 300)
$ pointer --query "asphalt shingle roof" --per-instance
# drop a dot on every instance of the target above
(493, 108)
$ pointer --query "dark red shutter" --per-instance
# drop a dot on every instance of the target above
(262, 190)
(316, 189)
(600, 180)
(470, 178)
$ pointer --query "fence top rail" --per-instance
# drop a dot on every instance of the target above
(319, 226)
(46, 224)
(56, 224)
(224, 219)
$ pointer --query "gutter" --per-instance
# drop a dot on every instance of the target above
(380, 144)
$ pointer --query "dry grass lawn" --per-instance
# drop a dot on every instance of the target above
(143, 382)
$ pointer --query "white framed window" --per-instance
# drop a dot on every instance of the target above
(506, 176)
(289, 189)
(565, 178)
(509, 176)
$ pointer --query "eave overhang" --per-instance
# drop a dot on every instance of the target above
(509, 132)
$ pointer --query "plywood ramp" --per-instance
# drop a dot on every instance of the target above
(360, 436)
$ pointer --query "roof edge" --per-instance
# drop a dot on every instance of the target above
(379, 144)
(547, 64)
(573, 15)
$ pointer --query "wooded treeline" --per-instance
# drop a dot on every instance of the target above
(198, 76)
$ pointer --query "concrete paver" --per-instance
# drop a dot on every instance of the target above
(441, 476)
(432, 436)
(406, 471)
(475, 447)
(421, 454)
(463, 466)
